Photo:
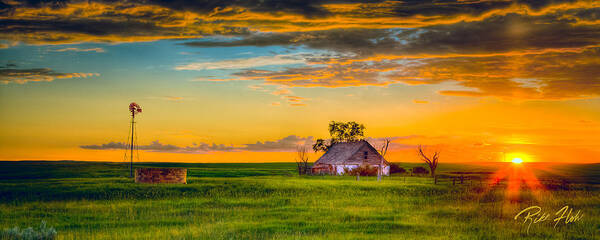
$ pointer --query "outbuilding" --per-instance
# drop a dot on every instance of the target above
(350, 155)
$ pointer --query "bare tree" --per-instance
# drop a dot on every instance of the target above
(302, 159)
(382, 152)
(384, 146)
(431, 161)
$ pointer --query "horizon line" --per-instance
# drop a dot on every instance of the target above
(102, 161)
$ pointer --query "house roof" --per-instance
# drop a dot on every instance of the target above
(340, 153)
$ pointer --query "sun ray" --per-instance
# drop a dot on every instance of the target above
(516, 177)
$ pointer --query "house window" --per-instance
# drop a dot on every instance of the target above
(366, 154)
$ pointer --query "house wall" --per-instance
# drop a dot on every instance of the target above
(340, 168)
(386, 170)
(322, 169)
(373, 157)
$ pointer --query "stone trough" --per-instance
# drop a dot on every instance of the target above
(161, 175)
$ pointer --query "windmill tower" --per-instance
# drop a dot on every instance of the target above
(134, 108)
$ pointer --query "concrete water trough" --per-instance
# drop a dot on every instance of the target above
(161, 175)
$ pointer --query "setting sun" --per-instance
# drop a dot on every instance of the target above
(518, 157)
(276, 119)
(517, 160)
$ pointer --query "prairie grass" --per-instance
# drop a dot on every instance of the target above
(266, 201)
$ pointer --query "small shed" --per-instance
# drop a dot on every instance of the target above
(349, 155)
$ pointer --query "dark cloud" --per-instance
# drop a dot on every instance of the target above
(356, 41)
(9, 65)
(21, 76)
(314, 8)
(332, 75)
(285, 144)
(40, 3)
(61, 31)
(549, 76)
(508, 49)
(571, 74)
(159, 147)
(257, 39)
(60, 22)
(404, 8)
(46, 22)
(110, 145)
(309, 8)
(498, 34)
(84, 26)
(512, 56)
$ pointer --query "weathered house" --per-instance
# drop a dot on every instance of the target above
(349, 155)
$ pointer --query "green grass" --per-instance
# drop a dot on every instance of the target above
(267, 201)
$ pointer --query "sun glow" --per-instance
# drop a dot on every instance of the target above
(517, 160)
(517, 178)
(518, 157)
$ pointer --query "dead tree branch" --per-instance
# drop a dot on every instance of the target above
(382, 152)
(431, 161)
(302, 160)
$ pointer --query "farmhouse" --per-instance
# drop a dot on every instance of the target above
(349, 155)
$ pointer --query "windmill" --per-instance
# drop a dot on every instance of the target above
(134, 108)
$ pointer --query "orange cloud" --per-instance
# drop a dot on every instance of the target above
(22, 76)
(74, 49)
(294, 99)
(549, 76)
(173, 98)
(282, 91)
(297, 104)
(520, 53)
(333, 75)
(86, 21)
(546, 76)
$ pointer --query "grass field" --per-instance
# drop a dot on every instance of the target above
(84, 200)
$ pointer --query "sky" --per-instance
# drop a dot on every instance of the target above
(249, 81)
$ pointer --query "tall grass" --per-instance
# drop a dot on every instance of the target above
(42, 232)
(285, 207)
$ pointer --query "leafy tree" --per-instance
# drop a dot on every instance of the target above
(420, 170)
(394, 168)
(346, 132)
(320, 145)
(341, 132)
